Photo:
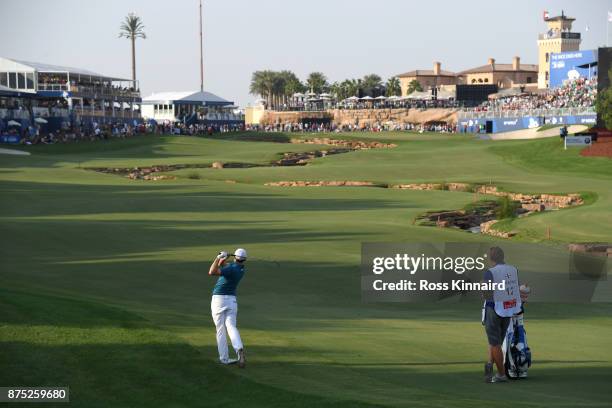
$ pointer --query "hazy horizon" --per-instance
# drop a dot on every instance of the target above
(343, 39)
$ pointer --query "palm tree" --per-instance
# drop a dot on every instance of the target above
(337, 90)
(393, 87)
(372, 85)
(292, 83)
(414, 85)
(352, 87)
(258, 86)
(132, 28)
(317, 82)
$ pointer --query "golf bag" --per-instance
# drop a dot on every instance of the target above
(517, 355)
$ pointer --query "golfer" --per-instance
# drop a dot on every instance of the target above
(223, 305)
(499, 307)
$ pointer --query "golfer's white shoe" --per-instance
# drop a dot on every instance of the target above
(499, 378)
(229, 361)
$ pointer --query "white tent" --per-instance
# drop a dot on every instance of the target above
(381, 98)
(443, 94)
(394, 98)
(419, 95)
(367, 98)
(40, 120)
(352, 98)
(13, 123)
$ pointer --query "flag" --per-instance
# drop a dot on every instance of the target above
(609, 16)
(545, 15)
(586, 29)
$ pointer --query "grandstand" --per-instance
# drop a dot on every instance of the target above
(62, 95)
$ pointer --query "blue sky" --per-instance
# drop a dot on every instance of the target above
(342, 38)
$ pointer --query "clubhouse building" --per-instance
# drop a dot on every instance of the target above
(503, 76)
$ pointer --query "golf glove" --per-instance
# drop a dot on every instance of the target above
(222, 255)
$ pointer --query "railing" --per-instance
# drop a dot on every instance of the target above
(52, 87)
(89, 90)
(104, 91)
(498, 113)
(107, 113)
(559, 34)
(14, 114)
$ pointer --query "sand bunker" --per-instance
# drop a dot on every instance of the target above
(14, 152)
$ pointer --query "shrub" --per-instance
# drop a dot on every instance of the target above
(506, 208)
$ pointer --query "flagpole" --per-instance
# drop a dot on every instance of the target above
(201, 53)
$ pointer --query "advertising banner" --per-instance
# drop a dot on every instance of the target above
(572, 65)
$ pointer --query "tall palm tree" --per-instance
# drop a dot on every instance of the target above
(258, 86)
(414, 85)
(132, 28)
(393, 87)
(372, 85)
(317, 82)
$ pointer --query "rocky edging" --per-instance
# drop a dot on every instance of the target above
(480, 216)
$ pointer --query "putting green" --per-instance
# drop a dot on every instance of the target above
(104, 284)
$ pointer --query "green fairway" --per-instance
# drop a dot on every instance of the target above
(104, 284)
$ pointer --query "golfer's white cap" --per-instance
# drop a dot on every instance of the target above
(240, 254)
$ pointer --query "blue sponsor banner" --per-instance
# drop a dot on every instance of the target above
(572, 65)
(517, 123)
(10, 139)
(509, 124)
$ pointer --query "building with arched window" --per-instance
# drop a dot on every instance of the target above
(502, 75)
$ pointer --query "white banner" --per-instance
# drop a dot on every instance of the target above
(577, 141)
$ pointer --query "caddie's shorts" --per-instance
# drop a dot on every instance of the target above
(495, 326)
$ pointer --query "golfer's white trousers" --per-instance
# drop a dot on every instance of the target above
(224, 309)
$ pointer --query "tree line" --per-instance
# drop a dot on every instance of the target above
(277, 87)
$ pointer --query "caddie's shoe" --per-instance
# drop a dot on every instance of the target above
(241, 358)
(488, 372)
(499, 379)
(229, 361)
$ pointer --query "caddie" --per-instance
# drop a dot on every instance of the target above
(498, 309)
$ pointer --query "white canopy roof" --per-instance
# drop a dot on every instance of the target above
(8, 64)
(419, 95)
(187, 97)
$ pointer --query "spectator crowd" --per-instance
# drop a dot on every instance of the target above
(324, 127)
(579, 93)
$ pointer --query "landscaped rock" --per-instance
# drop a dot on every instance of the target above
(333, 183)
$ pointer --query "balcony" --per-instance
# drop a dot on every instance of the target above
(559, 34)
(90, 91)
